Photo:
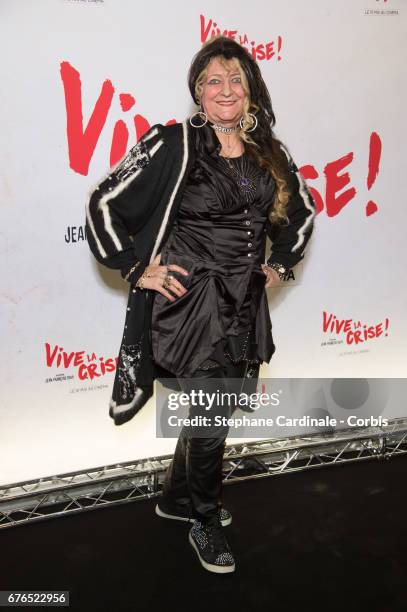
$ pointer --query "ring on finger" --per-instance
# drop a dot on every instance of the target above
(167, 281)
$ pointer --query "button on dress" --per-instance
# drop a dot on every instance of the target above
(219, 236)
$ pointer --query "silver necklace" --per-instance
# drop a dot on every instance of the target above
(223, 129)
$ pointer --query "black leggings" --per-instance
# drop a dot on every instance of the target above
(195, 473)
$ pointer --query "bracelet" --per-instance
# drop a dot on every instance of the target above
(140, 281)
(282, 270)
(130, 272)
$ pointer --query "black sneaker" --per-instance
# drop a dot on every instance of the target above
(208, 539)
(178, 512)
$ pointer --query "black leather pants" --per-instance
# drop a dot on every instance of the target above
(195, 473)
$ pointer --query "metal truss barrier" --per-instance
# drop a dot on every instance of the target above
(64, 494)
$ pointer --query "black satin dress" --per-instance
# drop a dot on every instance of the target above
(219, 236)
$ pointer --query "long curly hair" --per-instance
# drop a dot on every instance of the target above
(262, 146)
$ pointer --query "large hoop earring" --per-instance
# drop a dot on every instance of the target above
(254, 119)
(201, 114)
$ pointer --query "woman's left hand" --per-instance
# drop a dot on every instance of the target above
(273, 277)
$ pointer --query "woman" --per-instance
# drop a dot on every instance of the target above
(188, 231)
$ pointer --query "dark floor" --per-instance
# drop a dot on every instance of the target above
(325, 539)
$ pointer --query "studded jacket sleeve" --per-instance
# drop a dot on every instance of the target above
(119, 206)
(289, 241)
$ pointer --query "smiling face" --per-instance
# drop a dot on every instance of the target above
(223, 95)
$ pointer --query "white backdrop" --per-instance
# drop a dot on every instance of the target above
(336, 74)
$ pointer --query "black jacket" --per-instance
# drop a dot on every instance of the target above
(129, 217)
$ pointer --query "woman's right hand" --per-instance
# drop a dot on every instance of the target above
(156, 275)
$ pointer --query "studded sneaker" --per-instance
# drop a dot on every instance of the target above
(179, 512)
(209, 542)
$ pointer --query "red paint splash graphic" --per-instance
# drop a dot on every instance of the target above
(337, 177)
(375, 151)
(355, 332)
(82, 142)
(259, 51)
(89, 366)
